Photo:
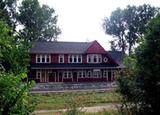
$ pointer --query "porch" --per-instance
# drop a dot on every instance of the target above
(73, 75)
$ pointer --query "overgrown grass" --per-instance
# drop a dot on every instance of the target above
(60, 100)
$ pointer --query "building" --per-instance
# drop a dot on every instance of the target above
(72, 62)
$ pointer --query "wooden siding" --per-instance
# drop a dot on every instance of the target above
(96, 48)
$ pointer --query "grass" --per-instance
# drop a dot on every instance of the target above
(56, 101)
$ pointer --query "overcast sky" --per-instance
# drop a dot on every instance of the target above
(81, 20)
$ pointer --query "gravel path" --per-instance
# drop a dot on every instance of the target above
(93, 109)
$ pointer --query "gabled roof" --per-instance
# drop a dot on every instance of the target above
(60, 47)
(118, 56)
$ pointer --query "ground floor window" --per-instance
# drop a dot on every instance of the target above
(89, 74)
(82, 74)
(67, 74)
(105, 73)
(38, 74)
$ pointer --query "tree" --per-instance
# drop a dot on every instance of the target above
(8, 12)
(140, 87)
(115, 26)
(148, 65)
(15, 95)
(13, 54)
(40, 23)
(128, 25)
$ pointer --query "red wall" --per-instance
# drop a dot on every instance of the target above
(66, 58)
(33, 58)
(54, 58)
(96, 48)
(84, 58)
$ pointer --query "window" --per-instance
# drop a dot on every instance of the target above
(94, 58)
(105, 73)
(75, 58)
(67, 74)
(47, 58)
(82, 74)
(38, 59)
(61, 58)
(43, 58)
(38, 74)
(89, 74)
(96, 73)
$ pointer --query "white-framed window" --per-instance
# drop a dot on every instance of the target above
(61, 58)
(105, 73)
(89, 74)
(97, 73)
(67, 74)
(94, 58)
(38, 74)
(82, 74)
(43, 58)
(75, 58)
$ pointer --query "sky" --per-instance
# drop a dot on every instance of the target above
(81, 20)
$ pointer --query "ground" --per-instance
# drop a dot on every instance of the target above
(89, 101)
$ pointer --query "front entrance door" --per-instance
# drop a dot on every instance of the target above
(75, 76)
(52, 77)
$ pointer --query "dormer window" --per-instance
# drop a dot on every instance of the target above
(43, 58)
(94, 58)
(61, 58)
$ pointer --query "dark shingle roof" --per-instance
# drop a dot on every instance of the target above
(118, 56)
(60, 47)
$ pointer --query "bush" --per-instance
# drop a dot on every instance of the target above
(15, 97)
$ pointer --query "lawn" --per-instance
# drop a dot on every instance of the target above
(56, 101)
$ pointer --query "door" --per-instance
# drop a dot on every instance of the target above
(75, 76)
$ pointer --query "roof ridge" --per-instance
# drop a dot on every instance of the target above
(62, 42)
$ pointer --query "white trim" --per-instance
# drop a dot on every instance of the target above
(105, 59)
(93, 57)
(38, 74)
(74, 56)
(67, 74)
(61, 56)
(45, 56)
(81, 74)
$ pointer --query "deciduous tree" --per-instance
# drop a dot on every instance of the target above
(128, 25)
(140, 85)
(40, 22)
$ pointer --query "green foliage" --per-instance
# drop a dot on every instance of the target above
(13, 55)
(128, 25)
(140, 84)
(148, 65)
(39, 21)
(15, 97)
(74, 107)
(8, 12)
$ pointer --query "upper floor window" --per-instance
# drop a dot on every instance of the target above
(94, 58)
(61, 58)
(75, 59)
(43, 58)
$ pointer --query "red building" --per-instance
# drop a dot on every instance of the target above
(73, 62)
